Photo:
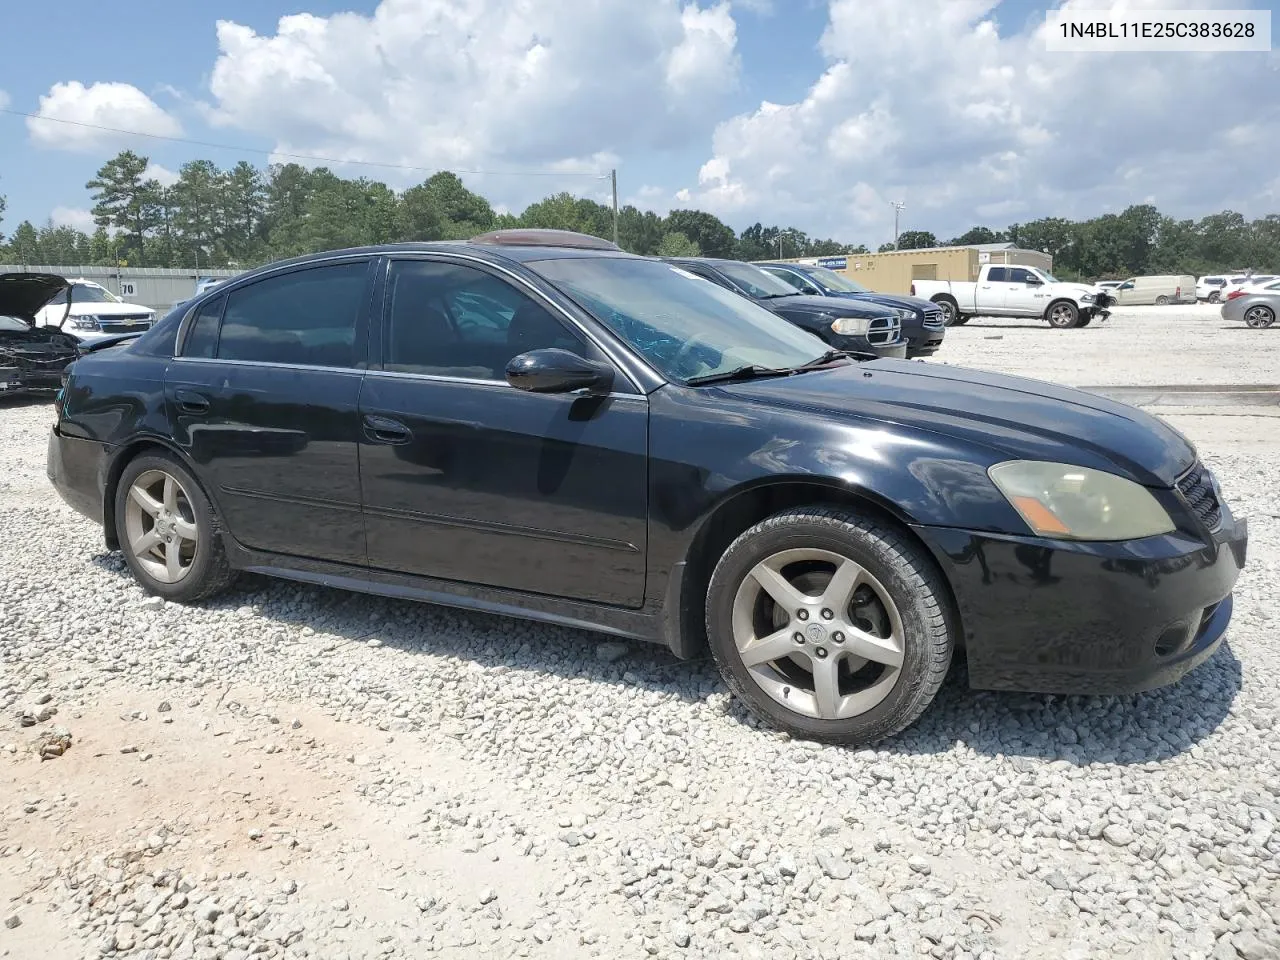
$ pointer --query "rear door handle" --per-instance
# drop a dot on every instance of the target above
(191, 402)
(386, 430)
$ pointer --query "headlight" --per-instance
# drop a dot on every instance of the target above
(851, 326)
(83, 323)
(1086, 298)
(1075, 503)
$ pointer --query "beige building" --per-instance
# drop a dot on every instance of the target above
(893, 272)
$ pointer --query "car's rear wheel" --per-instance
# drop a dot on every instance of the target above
(168, 531)
(1063, 315)
(1214, 297)
(829, 624)
(1162, 300)
(1259, 316)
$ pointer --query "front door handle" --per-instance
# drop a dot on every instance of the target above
(386, 430)
(190, 402)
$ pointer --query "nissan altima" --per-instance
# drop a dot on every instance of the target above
(539, 425)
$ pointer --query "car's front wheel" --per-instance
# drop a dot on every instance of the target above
(168, 531)
(830, 624)
(1063, 314)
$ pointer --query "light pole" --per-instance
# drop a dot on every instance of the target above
(897, 209)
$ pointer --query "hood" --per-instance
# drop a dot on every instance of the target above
(25, 294)
(1014, 417)
(901, 301)
(830, 306)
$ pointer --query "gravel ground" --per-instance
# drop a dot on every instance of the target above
(1137, 345)
(292, 771)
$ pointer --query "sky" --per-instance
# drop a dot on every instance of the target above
(807, 113)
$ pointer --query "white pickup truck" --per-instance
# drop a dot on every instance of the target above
(1014, 291)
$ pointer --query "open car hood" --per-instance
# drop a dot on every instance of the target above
(24, 294)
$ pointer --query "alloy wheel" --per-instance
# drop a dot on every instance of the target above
(160, 526)
(1259, 316)
(818, 633)
(1062, 315)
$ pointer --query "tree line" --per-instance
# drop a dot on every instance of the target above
(243, 216)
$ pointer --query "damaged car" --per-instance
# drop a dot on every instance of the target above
(32, 358)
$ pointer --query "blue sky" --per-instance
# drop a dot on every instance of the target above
(948, 104)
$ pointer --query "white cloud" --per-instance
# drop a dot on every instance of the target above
(121, 106)
(489, 84)
(76, 217)
(162, 175)
(4, 100)
(968, 120)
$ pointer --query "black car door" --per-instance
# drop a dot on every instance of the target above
(264, 398)
(467, 478)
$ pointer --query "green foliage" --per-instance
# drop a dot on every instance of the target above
(676, 244)
(916, 240)
(244, 216)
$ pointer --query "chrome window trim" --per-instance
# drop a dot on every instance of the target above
(268, 363)
(480, 382)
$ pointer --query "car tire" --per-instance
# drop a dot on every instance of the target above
(950, 311)
(960, 321)
(873, 612)
(168, 531)
(1162, 301)
(1259, 316)
(1085, 320)
(1062, 315)
(1214, 297)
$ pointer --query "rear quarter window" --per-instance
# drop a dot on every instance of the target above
(161, 340)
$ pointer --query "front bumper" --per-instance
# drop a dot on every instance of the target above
(16, 379)
(1051, 616)
(892, 351)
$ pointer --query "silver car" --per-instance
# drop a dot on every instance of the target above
(1255, 309)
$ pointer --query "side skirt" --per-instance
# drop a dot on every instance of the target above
(644, 624)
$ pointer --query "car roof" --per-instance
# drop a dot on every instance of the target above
(484, 251)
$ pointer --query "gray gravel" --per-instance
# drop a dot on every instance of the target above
(473, 786)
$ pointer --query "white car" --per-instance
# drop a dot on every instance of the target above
(89, 312)
(1015, 291)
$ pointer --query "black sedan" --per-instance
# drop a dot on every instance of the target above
(32, 358)
(543, 426)
(923, 323)
(855, 327)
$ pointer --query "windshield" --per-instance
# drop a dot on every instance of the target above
(757, 282)
(835, 281)
(1048, 277)
(683, 325)
(86, 293)
(10, 324)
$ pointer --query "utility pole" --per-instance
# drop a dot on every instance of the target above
(613, 178)
(897, 209)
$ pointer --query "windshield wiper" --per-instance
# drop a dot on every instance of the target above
(777, 296)
(751, 371)
(829, 357)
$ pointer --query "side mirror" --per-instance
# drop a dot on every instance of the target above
(1034, 282)
(553, 370)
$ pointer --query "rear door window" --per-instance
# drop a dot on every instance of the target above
(305, 317)
(998, 275)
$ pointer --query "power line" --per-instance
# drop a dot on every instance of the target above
(303, 156)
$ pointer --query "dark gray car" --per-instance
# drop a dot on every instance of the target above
(1255, 309)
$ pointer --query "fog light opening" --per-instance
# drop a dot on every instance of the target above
(1174, 639)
